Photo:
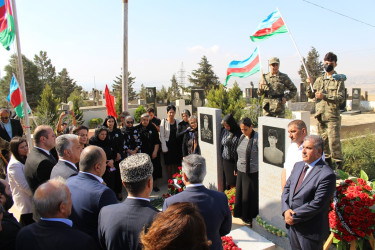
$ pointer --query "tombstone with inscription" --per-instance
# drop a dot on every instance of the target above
(209, 127)
(150, 95)
(356, 99)
(197, 99)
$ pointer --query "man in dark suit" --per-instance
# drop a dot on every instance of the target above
(212, 205)
(39, 162)
(9, 128)
(53, 203)
(306, 197)
(89, 193)
(9, 225)
(69, 151)
(120, 225)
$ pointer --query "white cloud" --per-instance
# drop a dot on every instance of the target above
(200, 49)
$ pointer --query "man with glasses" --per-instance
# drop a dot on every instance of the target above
(329, 93)
(273, 86)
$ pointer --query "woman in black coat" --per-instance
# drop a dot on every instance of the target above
(132, 140)
(190, 142)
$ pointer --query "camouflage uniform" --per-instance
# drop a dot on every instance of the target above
(274, 92)
(4, 145)
(328, 114)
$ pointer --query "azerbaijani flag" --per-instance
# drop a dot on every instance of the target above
(15, 97)
(272, 25)
(244, 68)
(6, 24)
(110, 103)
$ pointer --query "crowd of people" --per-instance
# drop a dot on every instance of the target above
(68, 188)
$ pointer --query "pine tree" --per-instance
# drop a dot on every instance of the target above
(78, 102)
(204, 77)
(47, 108)
(47, 72)
(32, 84)
(162, 95)
(236, 101)
(117, 87)
(142, 92)
(65, 85)
(174, 90)
(313, 65)
(218, 98)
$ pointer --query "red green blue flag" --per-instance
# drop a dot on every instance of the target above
(15, 97)
(6, 24)
(244, 68)
(272, 25)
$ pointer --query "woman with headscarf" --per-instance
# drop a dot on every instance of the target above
(190, 142)
(169, 142)
(150, 145)
(230, 133)
(100, 139)
(132, 140)
(117, 142)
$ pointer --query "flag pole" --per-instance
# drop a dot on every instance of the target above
(125, 57)
(295, 45)
(22, 78)
(261, 67)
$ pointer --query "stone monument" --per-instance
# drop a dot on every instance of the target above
(356, 99)
(197, 99)
(209, 127)
(302, 93)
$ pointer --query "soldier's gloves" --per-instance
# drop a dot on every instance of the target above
(339, 77)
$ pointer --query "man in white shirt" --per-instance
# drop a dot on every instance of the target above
(69, 151)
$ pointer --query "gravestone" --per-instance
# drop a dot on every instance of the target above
(302, 92)
(254, 93)
(197, 99)
(271, 160)
(356, 99)
(304, 116)
(209, 127)
(151, 95)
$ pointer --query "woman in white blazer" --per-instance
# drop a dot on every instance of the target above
(21, 192)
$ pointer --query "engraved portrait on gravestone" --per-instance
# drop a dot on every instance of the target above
(274, 146)
(150, 95)
(206, 128)
(197, 97)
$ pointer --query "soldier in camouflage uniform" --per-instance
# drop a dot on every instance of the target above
(273, 86)
(329, 91)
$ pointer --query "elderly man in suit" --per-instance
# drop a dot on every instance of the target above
(120, 225)
(212, 205)
(53, 203)
(9, 128)
(40, 161)
(89, 192)
(306, 197)
(69, 151)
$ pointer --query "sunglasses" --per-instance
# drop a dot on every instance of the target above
(5, 118)
(129, 122)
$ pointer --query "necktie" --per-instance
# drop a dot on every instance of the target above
(301, 178)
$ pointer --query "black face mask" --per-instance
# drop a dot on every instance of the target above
(328, 67)
(9, 202)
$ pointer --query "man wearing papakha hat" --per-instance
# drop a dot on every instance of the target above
(273, 86)
(121, 224)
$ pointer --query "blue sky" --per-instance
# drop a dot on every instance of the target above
(85, 37)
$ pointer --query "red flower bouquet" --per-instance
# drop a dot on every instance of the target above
(231, 195)
(351, 217)
(228, 243)
(176, 185)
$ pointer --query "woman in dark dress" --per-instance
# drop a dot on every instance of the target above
(100, 139)
(169, 142)
(190, 142)
(182, 129)
(132, 140)
(246, 202)
(230, 133)
(150, 145)
(117, 142)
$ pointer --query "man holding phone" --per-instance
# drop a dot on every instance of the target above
(62, 126)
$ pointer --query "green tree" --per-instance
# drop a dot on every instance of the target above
(117, 87)
(118, 104)
(47, 108)
(142, 92)
(174, 90)
(313, 65)
(32, 84)
(218, 98)
(138, 112)
(162, 95)
(47, 72)
(65, 85)
(78, 102)
(235, 101)
(204, 77)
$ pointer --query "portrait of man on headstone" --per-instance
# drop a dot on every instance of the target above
(197, 97)
(150, 95)
(206, 128)
(273, 146)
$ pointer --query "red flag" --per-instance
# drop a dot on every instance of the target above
(110, 103)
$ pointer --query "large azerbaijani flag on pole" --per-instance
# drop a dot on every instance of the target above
(272, 25)
(244, 68)
(7, 33)
(15, 97)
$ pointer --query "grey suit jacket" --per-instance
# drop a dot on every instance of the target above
(63, 169)
(311, 201)
(213, 206)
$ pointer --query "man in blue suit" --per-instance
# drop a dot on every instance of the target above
(306, 197)
(89, 193)
(212, 205)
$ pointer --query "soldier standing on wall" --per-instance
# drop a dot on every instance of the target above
(273, 86)
(329, 91)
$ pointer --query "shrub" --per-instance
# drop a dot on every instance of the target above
(359, 153)
(138, 112)
(254, 110)
(93, 123)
